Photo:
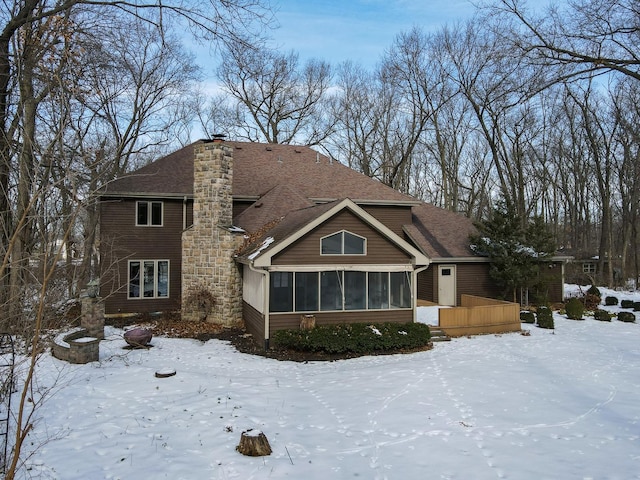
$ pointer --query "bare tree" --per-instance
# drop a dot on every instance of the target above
(69, 120)
(277, 101)
(498, 88)
(626, 103)
(382, 115)
(31, 32)
(585, 38)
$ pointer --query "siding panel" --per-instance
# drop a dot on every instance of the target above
(121, 240)
(393, 217)
(278, 321)
(306, 251)
(253, 322)
(473, 279)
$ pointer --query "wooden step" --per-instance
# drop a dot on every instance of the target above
(438, 335)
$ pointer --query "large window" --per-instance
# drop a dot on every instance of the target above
(330, 291)
(281, 293)
(339, 290)
(149, 214)
(148, 279)
(342, 243)
(378, 290)
(306, 291)
(400, 290)
(355, 290)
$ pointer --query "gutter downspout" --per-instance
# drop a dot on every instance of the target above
(184, 213)
(265, 303)
(415, 287)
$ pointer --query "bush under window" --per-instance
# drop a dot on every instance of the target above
(358, 338)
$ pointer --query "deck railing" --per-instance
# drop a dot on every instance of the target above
(478, 315)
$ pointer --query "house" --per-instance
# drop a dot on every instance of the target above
(263, 234)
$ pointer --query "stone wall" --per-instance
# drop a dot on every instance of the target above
(211, 283)
(92, 319)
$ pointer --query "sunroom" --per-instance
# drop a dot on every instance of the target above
(343, 267)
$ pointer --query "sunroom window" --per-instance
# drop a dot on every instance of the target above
(338, 290)
(342, 243)
(281, 292)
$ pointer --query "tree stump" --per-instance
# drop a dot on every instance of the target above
(307, 322)
(253, 443)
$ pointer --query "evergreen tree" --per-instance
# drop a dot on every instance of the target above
(517, 249)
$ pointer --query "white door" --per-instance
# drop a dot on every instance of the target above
(447, 285)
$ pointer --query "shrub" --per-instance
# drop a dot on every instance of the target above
(636, 306)
(626, 304)
(611, 301)
(593, 290)
(575, 309)
(591, 301)
(626, 317)
(602, 315)
(354, 338)
(544, 316)
(527, 317)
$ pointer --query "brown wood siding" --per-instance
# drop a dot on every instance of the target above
(281, 321)
(239, 207)
(551, 287)
(473, 279)
(426, 284)
(391, 216)
(556, 283)
(121, 240)
(306, 251)
(253, 322)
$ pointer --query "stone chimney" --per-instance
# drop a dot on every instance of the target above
(211, 283)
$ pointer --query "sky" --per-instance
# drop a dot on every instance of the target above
(551, 404)
(358, 30)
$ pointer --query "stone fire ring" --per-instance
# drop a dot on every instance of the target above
(138, 337)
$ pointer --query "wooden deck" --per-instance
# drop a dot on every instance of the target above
(476, 316)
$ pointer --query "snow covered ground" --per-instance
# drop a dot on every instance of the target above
(561, 404)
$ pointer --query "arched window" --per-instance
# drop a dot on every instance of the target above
(343, 243)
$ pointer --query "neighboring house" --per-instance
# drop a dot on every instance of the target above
(585, 269)
(263, 234)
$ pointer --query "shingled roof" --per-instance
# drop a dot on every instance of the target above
(258, 168)
(440, 233)
(286, 182)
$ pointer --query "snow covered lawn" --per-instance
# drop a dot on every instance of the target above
(561, 404)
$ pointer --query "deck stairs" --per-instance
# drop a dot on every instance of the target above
(438, 335)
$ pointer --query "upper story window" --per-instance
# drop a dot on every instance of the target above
(588, 267)
(149, 214)
(343, 243)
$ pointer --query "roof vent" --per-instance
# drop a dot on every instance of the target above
(279, 159)
(317, 157)
(268, 148)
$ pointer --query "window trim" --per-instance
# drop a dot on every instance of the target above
(155, 279)
(342, 233)
(388, 302)
(149, 204)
